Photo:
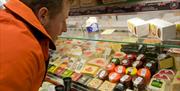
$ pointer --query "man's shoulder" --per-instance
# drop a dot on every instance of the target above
(15, 32)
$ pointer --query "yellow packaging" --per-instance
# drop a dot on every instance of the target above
(166, 63)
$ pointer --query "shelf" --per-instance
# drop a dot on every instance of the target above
(127, 7)
(122, 37)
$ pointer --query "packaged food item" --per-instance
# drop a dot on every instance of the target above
(84, 79)
(165, 61)
(52, 69)
(170, 73)
(87, 3)
(99, 52)
(103, 75)
(114, 77)
(119, 55)
(90, 69)
(175, 86)
(138, 27)
(76, 76)
(140, 57)
(88, 55)
(137, 64)
(107, 86)
(162, 29)
(139, 83)
(126, 63)
(131, 57)
(119, 87)
(101, 62)
(95, 83)
(126, 80)
(144, 72)
(66, 73)
(116, 61)
(59, 71)
(110, 67)
(152, 66)
(157, 85)
(120, 69)
(131, 71)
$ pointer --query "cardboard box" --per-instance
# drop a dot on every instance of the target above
(88, 3)
(138, 27)
(162, 29)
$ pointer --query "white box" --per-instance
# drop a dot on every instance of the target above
(162, 29)
(138, 27)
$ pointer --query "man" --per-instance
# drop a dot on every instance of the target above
(27, 30)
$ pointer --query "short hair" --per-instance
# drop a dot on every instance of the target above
(54, 6)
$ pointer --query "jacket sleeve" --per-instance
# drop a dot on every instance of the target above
(19, 60)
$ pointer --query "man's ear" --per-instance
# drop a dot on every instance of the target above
(43, 16)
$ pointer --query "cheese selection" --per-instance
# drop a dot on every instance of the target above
(118, 70)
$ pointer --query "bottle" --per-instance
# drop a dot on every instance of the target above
(67, 83)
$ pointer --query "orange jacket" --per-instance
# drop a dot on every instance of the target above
(24, 45)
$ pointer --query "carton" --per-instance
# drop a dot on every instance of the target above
(162, 29)
(138, 27)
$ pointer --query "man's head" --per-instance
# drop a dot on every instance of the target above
(51, 13)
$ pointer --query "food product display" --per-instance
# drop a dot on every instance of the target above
(101, 68)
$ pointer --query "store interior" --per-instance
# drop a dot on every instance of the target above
(118, 45)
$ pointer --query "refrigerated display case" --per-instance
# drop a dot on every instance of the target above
(115, 58)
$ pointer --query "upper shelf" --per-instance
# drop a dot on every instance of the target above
(120, 37)
(127, 7)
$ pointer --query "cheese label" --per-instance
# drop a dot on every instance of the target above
(143, 72)
(114, 75)
(120, 69)
(124, 78)
(138, 80)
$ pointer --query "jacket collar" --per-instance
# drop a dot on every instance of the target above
(27, 14)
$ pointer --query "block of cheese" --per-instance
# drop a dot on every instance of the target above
(95, 83)
(175, 86)
(107, 86)
(90, 69)
(101, 62)
(162, 29)
(87, 3)
(138, 27)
